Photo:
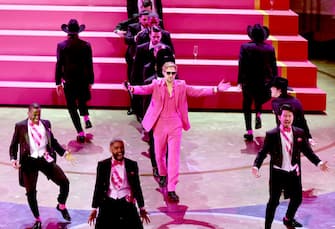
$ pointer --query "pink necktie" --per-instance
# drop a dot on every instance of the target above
(288, 143)
(36, 135)
(116, 178)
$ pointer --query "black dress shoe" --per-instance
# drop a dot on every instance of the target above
(248, 137)
(258, 123)
(88, 124)
(291, 223)
(173, 197)
(155, 172)
(130, 112)
(80, 139)
(37, 225)
(65, 213)
(162, 181)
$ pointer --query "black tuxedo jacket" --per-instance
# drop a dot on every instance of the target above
(273, 147)
(132, 30)
(257, 68)
(143, 37)
(74, 63)
(21, 138)
(146, 64)
(103, 181)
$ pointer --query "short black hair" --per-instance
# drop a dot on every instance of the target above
(34, 106)
(144, 12)
(286, 107)
(156, 29)
(116, 140)
(147, 3)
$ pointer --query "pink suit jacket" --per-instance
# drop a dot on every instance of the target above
(157, 89)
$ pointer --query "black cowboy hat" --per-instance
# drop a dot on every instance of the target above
(73, 27)
(281, 83)
(258, 32)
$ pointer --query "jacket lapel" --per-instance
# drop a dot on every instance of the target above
(47, 132)
(25, 130)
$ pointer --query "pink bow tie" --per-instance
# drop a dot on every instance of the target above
(116, 162)
(33, 124)
(287, 129)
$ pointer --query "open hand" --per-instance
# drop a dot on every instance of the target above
(59, 90)
(255, 172)
(92, 217)
(69, 157)
(324, 167)
(144, 216)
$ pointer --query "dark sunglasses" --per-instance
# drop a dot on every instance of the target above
(171, 73)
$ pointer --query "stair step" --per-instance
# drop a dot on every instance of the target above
(113, 95)
(211, 46)
(236, 4)
(113, 70)
(104, 18)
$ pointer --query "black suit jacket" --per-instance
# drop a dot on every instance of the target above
(257, 68)
(273, 147)
(145, 62)
(103, 181)
(299, 116)
(74, 64)
(21, 138)
(132, 30)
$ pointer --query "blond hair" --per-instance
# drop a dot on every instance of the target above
(169, 65)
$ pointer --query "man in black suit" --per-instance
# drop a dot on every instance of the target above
(74, 74)
(279, 88)
(284, 144)
(257, 68)
(133, 7)
(121, 27)
(131, 39)
(117, 187)
(145, 53)
(38, 149)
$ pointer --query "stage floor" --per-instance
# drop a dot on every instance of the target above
(216, 187)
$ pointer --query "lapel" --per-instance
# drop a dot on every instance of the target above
(161, 89)
(176, 92)
(25, 131)
(295, 137)
(280, 144)
(47, 132)
(108, 171)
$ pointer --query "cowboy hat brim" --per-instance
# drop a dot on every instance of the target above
(265, 30)
(65, 28)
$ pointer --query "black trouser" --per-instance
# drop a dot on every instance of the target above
(291, 184)
(30, 170)
(248, 98)
(118, 214)
(76, 98)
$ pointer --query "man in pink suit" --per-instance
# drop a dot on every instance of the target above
(167, 115)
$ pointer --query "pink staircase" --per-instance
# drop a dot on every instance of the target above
(29, 33)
